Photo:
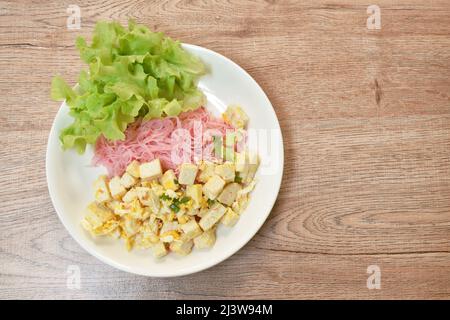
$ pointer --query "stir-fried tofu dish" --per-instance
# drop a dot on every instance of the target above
(147, 109)
(165, 211)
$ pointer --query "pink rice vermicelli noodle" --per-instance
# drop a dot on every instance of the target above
(174, 140)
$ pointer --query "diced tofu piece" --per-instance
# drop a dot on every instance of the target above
(230, 218)
(101, 189)
(116, 188)
(168, 180)
(188, 172)
(150, 170)
(182, 247)
(226, 171)
(133, 169)
(169, 226)
(159, 250)
(212, 216)
(130, 196)
(96, 216)
(206, 239)
(229, 193)
(202, 212)
(128, 180)
(193, 212)
(213, 187)
(194, 191)
(206, 171)
(248, 188)
(148, 198)
(240, 204)
(241, 162)
(253, 164)
(191, 230)
(235, 116)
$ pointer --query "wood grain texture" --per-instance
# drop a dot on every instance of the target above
(365, 116)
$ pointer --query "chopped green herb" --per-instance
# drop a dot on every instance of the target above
(210, 202)
(176, 181)
(174, 207)
(165, 197)
(237, 178)
(184, 199)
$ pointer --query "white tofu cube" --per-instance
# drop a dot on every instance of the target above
(130, 196)
(133, 169)
(213, 187)
(206, 239)
(148, 198)
(194, 191)
(182, 247)
(188, 172)
(226, 171)
(241, 162)
(169, 226)
(150, 170)
(230, 218)
(229, 193)
(191, 230)
(116, 188)
(206, 171)
(212, 216)
(101, 190)
(159, 250)
(168, 181)
(202, 212)
(128, 180)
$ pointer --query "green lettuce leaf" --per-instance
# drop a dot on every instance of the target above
(132, 73)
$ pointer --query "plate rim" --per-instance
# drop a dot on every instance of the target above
(195, 268)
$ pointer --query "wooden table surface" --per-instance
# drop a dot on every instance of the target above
(365, 116)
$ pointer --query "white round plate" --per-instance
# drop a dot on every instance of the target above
(70, 177)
